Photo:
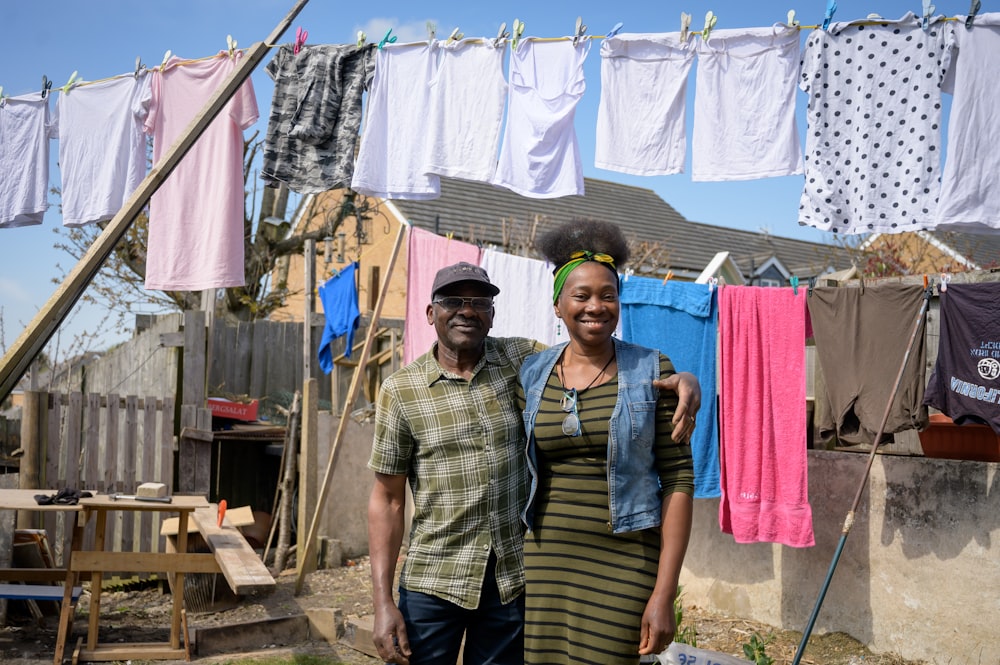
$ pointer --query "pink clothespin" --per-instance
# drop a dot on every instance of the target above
(300, 39)
(945, 278)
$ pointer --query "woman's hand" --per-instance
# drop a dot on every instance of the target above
(688, 390)
(659, 625)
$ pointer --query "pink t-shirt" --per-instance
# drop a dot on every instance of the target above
(196, 216)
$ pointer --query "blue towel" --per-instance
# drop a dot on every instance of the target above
(681, 320)
(339, 296)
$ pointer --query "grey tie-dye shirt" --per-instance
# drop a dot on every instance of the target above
(315, 115)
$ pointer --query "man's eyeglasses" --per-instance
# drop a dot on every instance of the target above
(455, 303)
(571, 423)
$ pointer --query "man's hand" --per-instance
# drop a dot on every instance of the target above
(389, 635)
(688, 390)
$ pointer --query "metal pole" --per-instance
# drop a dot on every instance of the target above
(849, 520)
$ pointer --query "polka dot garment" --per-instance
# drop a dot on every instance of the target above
(873, 141)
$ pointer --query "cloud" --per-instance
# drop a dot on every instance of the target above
(414, 31)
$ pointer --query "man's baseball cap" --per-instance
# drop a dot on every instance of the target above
(462, 272)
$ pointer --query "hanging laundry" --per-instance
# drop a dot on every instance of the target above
(859, 337)
(521, 309)
(467, 94)
(393, 143)
(762, 401)
(539, 154)
(965, 383)
(681, 320)
(196, 216)
(873, 142)
(24, 160)
(970, 198)
(641, 118)
(312, 130)
(339, 296)
(426, 254)
(744, 105)
(102, 147)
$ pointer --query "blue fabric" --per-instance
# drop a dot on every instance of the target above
(339, 296)
(494, 632)
(633, 482)
(681, 319)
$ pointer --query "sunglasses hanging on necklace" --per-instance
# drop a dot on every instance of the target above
(571, 423)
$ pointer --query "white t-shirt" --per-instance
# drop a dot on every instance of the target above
(393, 141)
(102, 147)
(196, 216)
(641, 119)
(24, 160)
(744, 105)
(873, 143)
(970, 196)
(467, 94)
(539, 155)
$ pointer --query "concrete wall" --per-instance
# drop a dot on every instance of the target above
(346, 507)
(919, 575)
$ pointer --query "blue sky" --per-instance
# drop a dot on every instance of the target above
(100, 39)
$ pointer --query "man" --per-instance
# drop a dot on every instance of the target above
(448, 424)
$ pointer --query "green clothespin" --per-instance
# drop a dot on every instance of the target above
(795, 284)
(710, 20)
(518, 30)
(73, 80)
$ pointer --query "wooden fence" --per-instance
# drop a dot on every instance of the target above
(107, 443)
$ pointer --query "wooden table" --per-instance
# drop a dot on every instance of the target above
(93, 563)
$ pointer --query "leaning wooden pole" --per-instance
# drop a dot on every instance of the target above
(352, 393)
(38, 333)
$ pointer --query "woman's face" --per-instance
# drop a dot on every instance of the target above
(588, 304)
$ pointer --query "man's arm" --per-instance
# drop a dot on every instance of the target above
(386, 507)
(688, 390)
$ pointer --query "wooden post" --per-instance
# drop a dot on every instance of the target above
(352, 393)
(308, 463)
(32, 416)
(194, 458)
(309, 254)
(34, 338)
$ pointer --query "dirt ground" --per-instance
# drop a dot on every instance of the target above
(143, 615)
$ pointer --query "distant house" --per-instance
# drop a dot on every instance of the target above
(932, 252)
(665, 242)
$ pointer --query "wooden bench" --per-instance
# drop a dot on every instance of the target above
(14, 591)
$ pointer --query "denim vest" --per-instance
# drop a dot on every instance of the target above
(633, 483)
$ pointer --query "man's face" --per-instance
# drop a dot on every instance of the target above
(463, 329)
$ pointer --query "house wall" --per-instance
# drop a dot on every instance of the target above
(374, 253)
(917, 575)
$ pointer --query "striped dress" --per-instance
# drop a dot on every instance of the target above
(585, 587)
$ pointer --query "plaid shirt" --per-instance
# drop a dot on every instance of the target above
(461, 443)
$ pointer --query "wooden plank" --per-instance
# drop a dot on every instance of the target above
(185, 451)
(49, 464)
(144, 562)
(36, 592)
(239, 564)
(308, 463)
(69, 465)
(37, 334)
(258, 359)
(193, 389)
(140, 651)
(91, 450)
(147, 463)
(128, 477)
(195, 434)
(112, 484)
(309, 301)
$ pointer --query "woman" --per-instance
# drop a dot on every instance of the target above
(609, 511)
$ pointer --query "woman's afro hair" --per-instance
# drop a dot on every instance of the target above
(583, 234)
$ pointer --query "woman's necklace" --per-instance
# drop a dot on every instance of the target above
(592, 381)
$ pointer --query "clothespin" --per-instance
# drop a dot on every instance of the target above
(387, 39)
(3, 100)
(46, 86)
(300, 39)
(362, 37)
(628, 273)
(166, 56)
(454, 36)
(614, 31)
(945, 278)
(831, 9)
(795, 285)
(925, 20)
(710, 21)
(73, 80)
(518, 30)
(812, 285)
(685, 26)
(431, 31)
(712, 283)
(973, 10)
(138, 66)
(668, 277)
(231, 46)
(792, 22)
(502, 34)
(580, 29)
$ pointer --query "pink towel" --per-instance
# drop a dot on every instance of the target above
(427, 254)
(765, 493)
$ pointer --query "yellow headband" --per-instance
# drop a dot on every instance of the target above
(575, 259)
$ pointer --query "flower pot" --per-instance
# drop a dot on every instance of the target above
(944, 439)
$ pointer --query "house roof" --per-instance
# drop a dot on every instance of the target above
(488, 215)
(982, 249)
